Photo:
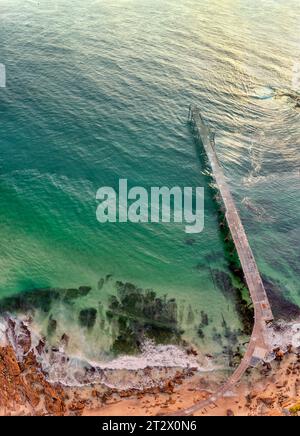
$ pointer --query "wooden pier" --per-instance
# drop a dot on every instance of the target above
(258, 347)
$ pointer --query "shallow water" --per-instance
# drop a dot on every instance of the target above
(98, 91)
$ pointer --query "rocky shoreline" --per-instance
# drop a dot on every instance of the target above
(27, 390)
(272, 389)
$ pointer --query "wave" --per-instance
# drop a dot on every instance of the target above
(154, 365)
(150, 368)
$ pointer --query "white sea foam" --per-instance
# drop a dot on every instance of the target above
(264, 93)
(282, 334)
(3, 340)
(154, 356)
(150, 368)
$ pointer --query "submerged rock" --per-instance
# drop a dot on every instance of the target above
(243, 308)
(190, 241)
(204, 323)
(52, 326)
(217, 337)
(200, 332)
(87, 317)
(282, 308)
(139, 313)
(41, 299)
(72, 294)
(100, 284)
(204, 319)
(35, 299)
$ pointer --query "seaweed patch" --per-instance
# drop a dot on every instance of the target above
(141, 313)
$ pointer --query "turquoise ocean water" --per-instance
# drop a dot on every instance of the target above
(99, 90)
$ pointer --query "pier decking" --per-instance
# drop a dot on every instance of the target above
(258, 347)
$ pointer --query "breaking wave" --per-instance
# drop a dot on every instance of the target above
(150, 368)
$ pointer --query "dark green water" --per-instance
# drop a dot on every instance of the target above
(98, 91)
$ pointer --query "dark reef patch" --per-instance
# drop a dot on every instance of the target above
(72, 294)
(200, 332)
(230, 252)
(100, 284)
(52, 326)
(282, 308)
(217, 337)
(190, 241)
(140, 314)
(36, 299)
(244, 310)
(40, 299)
(204, 323)
(204, 319)
(87, 317)
(132, 314)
